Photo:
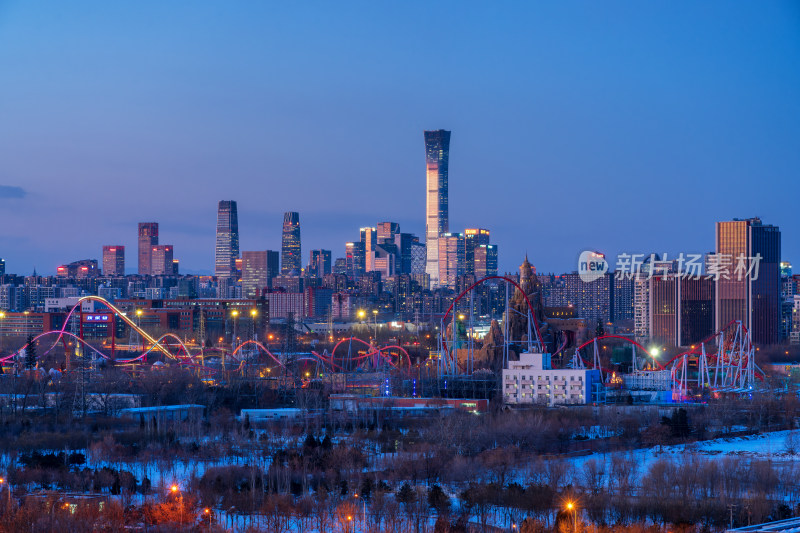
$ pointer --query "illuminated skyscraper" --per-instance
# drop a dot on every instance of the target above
(354, 259)
(161, 260)
(258, 268)
(387, 231)
(319, 263)
(227, 250)
(437, 155)
(369, 241)
(485, 261)
(473, 237)
(148, 237)
(451, 258)
(114, 260)
(290, 244)
(753, 299)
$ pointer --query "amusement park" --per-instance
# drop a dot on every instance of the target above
(520, 357)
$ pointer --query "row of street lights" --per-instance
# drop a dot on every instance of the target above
(362, 314)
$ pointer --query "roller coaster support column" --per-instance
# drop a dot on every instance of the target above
(113, 335)
(506, 320)
(471, 345)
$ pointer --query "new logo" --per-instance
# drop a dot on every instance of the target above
(591, 266)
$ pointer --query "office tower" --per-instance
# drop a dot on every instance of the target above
(227, 249)
(484, 261)
(114, 260)
(369, 240)
(450, 258)
(403, 243)
(255, 273)
(148, 237)
(319, 263)
(741, 293)
(176, 267)
(419, 258)
(2, 267)
(340, 266)
(382, 260)
(355, 259)
(437, 155)
(473, 237)
(681, 309)
(85, 268)
(290, 244)
(387, 231)
(161, 257)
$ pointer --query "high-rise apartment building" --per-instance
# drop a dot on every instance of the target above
(161, 260)
(148, 237)
(623, 298)
(226, 251)
(319, 263)
(451, 258)
(290, 244)
(114, 260)
(749, 289)
(258, 269)
(437, 156)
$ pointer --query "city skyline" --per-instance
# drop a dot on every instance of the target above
(626, 125)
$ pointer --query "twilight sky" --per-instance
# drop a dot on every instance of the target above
(615, 126)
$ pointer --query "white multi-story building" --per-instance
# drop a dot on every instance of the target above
(532, 380)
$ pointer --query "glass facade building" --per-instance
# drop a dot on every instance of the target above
(227, 249)
(451, 258)
(437, 155)
(473, 237)
(319, 263)
(114, 260)
(148, 237)
(755, 298)
(258, 269)
(290, 244)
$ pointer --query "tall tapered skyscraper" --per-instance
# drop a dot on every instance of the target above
(227, 249)
(290, 243)
(148, 237)
(437, 155)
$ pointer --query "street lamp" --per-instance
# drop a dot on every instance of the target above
(3, 482)
(174, 489)
(234, 314)
(571, 507)
(253, 315)
(2, 316)
(654, 354)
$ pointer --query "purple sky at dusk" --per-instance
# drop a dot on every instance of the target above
(615, 126)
